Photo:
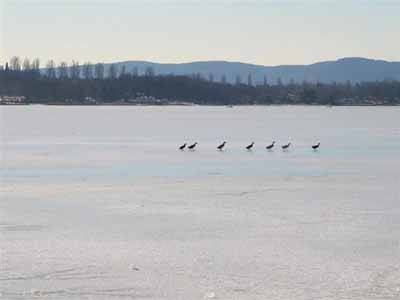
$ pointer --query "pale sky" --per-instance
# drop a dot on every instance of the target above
(261, 32)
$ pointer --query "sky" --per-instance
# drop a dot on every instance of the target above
(262, 32)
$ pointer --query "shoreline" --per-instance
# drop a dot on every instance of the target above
(194, 104)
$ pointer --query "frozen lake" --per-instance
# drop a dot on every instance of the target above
(98, 203)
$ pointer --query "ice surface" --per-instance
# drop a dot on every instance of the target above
(98, 203)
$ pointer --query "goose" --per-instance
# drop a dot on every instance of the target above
(315, 147)
(250, 146)
(182, 147)
(271, 146)
(221, 146)
(286, 146)
(191, 147)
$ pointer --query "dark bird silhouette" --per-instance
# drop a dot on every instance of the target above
(182, 147)
(284, 147)
(191, 147)
(315, 147)
(221, 146)
(250, 146)
(271, 146)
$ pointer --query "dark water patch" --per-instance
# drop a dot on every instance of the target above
(10, 227)
(261, 191)
(116, 293)
(64, 274)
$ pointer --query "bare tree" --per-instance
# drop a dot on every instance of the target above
(238, 80)
(62, 70)
(149, 72)
(112, 71)
(196, 76)
(75, 70)
(135, 71)
(223, 79)
(348, 85)
(99, 71)
(122, 72)
(51, 69)
(26, 65)
(249, 80)
(87, 70)
(15, 63)
(35, 65)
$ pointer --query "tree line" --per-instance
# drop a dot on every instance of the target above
(87, 83)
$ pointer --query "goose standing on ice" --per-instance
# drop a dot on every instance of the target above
(284, 147)
(271, 146)
(250, 146)
(316, 146)
(191, 147)
(182, 147)
(221, 146)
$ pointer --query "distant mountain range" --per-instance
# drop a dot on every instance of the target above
(354, 69)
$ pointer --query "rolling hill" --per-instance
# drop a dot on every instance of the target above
(353, 69)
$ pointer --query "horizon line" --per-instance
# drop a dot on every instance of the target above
(211, 61)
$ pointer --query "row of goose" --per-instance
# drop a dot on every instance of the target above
(249, 147)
